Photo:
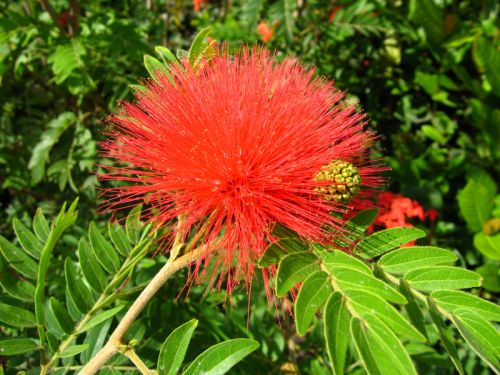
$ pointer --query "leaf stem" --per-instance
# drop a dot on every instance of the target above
(170, 268)
(137, 361)
(101, 302)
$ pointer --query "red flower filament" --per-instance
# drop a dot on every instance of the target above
(234, 147)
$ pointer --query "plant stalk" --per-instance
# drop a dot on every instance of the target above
(111, 347)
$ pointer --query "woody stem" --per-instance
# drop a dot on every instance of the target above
(171, 267)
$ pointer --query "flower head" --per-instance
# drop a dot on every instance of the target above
(234, 147)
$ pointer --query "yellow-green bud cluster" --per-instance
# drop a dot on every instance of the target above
(345, 181)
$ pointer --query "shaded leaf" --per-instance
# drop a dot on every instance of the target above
(17, 346)
(91, 269)
(103, 250)
(40, 225)
(30, 243)
(77, 291)
(17, 259)
(61, 315)
(73, 350)
(16, 316)
(101, 317)
(445, 336)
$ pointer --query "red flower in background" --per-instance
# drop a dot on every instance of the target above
(235, 147)
(331, 17)
(397, 210)
(266, 32)
(197, 4)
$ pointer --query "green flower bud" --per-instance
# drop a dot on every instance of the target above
(345, 181)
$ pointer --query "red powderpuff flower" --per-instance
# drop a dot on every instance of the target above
(234, 147)
(197, 4)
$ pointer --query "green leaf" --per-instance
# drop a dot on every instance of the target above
(337, 322)
(426, 14)
(174, 348)
(78, 292)
(16, 316)
(166, 55)
(294, 268)
(119, 238)
(17, 259)
(66, 58)
(197, 45)
(352, 280)
(95, 338)
(365, 348)
(103, 250)
(62, 316)
(219, 358)
(481, 336)
(365, 304)
(386, 240)
(488, 245)
(17, 346)
(445, 336)
(153, 66)
(312, 294)
(40, 225)
(73, 350)
(91, 269)
(390, 346)
(360, 223)
(475, 201)
(487, 58)
(409, 258)
(49, 138)
(133, 224)
(338, 259)
(30, 243)
(101, 317)
(289, 7)
(439, 278)
(279, 249)
(412, 308)
(451, 301)
(14, 286)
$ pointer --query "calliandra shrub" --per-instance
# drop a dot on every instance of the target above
(235, 146)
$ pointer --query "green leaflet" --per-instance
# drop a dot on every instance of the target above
(438, 278)
(381, 242)
(366, 304)
(410, 258)
(17, 259)
(219, 358)
(337, 321)
(312, 295)
(481, 336)
(30, 243)
(294, 268)
(17, 346)
(452, 300)
(16, 316)
(174, 348)
(103, 250)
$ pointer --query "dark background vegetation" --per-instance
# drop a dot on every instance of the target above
(426, 72)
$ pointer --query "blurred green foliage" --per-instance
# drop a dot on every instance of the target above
(426, 72)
